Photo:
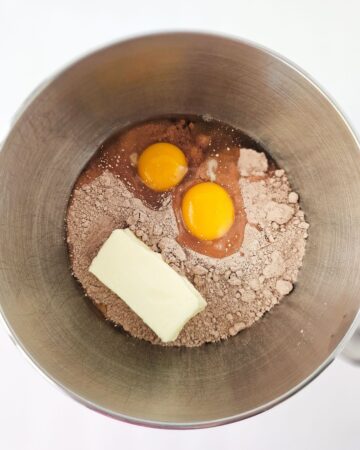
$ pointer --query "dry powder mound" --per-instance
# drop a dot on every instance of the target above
(238, 289)
(252, 163)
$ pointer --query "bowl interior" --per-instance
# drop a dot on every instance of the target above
(53, 139)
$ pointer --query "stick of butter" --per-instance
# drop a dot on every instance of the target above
(163, 299)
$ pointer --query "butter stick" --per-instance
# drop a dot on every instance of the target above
(161, 297)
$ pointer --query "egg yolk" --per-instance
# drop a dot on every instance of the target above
(207, 211)
(162, 166)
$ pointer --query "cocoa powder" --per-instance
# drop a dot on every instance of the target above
(238, 289)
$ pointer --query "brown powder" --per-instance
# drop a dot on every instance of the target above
(239, 289)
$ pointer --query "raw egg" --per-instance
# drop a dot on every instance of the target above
(161, 174)
(162, 166)
(208, 211)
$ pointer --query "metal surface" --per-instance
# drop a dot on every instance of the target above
(58, 132)
(352, 349)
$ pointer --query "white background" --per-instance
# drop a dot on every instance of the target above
(39, 37)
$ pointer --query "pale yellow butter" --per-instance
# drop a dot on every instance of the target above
(163, 299)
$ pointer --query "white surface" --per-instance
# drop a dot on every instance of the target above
(39, 37)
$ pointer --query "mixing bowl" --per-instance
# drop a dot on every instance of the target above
(51, 141)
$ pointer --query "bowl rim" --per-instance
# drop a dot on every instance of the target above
(197, 424)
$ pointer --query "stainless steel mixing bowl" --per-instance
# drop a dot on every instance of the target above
(61, 128)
